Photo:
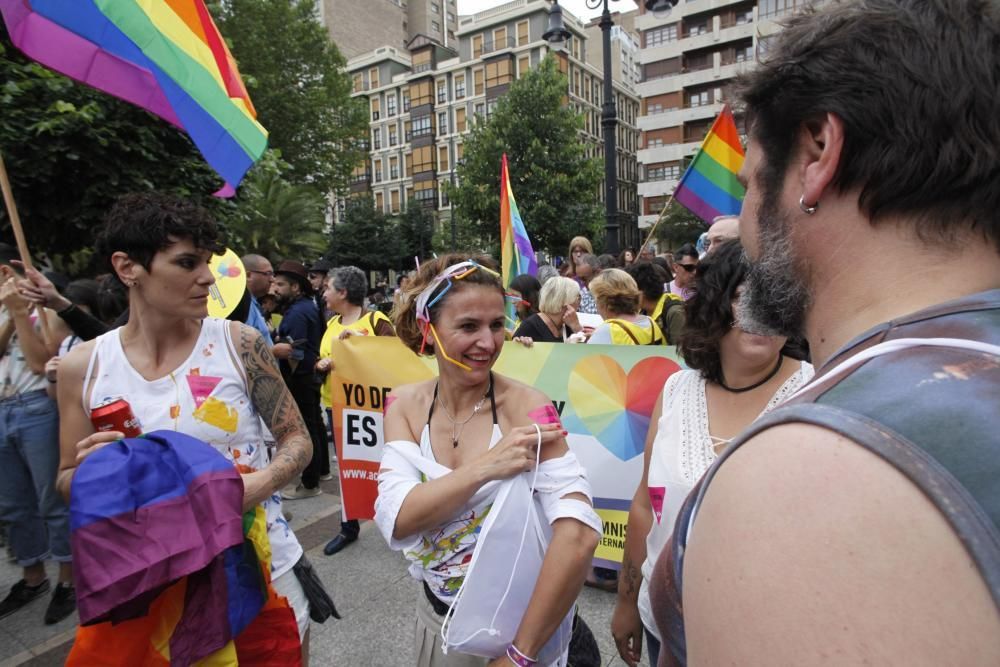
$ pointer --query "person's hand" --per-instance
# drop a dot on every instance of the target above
(515, 453)
(351, 332)
(324, 365)
(281, 350)
(256, 488)
(95, 441)
(10, 297)
(36, 288)
(526, 341)
(626, 628)
(570, 318)
(51, 368)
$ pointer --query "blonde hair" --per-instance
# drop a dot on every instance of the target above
(616, 292)
(556, 293)
(569, 268)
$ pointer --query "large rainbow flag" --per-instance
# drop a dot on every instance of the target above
(516, 255)
(709, 188)
(165, 56)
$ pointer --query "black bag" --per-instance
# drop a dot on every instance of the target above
(583, 649)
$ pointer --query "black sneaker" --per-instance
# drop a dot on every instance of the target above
(62, 604)
(21, 594)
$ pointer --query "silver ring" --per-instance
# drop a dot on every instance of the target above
(808, 210)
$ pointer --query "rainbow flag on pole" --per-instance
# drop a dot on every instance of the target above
(709, 187)
(165, 56)
(516, 255)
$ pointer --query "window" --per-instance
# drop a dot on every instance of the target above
(523, 65)
(394, 201)
(442, 87)
(459, 153)
(377, 170)
(663, 172)
(477, 46)
(451, 19)
(742, 18)
(477, 78)
(393, 168)
(420, 93)
(661, 35)
(444, 198)
(744, 54)
(499, 38)
(435, 9)
(379, 202)
(422, 61)
(498, 73)
(443, 158)
(479, 110)
(423, 159)
(654, 142)
(522, 33)
(443, 122)
(373, 77)
(459, 86)
(375, 108)
(460, 119)
(408, 164)
(377, 138)
(435, 26)
(490, 107)
(698, 28)
(393, 135)
(421, 127)
(425, 193)
(390, 105)
(358, 81)
(699, 99)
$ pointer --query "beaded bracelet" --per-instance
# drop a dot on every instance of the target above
(518, 658)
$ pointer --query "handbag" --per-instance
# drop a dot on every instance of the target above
(506, 562)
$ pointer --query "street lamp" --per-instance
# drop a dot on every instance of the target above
(556, 36)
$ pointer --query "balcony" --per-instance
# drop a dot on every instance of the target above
(675, 117)
(657, 188)
(668, 152)
(491, 46)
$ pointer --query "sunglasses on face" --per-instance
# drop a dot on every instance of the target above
(688, 267)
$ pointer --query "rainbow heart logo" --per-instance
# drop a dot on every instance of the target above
(616, 406)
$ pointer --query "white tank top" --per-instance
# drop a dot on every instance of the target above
(205, 397)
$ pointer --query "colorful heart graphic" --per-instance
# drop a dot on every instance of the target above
(614, 406)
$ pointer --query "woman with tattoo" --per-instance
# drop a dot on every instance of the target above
(181, 370)
(736, 376)
(473, 428)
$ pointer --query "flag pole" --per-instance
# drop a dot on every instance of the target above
(656, 224)
(22, 244)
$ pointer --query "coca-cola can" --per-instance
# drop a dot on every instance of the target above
(116, 415)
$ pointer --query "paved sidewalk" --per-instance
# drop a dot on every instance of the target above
(369, 583)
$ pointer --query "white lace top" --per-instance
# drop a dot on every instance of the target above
(682, 451)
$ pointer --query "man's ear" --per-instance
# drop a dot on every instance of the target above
(126, 267)
(821, 143)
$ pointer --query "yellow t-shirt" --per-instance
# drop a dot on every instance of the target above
(367, 323)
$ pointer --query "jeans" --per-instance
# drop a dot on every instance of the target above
(37, 517)
(305, 391)
(652, 647)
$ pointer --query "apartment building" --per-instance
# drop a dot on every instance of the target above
(424, 99)
(689, 59)
(625, 65)
(355, 25)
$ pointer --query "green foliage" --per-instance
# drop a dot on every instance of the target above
(71, 151)
(366, 238)
(678, 226)
(298, 84)
(554, 183)
(275, 218)
(415, 229)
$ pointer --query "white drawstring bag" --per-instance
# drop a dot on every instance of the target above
(506, 562)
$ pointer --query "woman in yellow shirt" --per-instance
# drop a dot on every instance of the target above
(345, 296)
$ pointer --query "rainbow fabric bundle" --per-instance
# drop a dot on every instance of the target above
(165, 56)
(709, 187)
(516, 254)
(168, 570)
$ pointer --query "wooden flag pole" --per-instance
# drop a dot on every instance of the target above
(22, 245)
(659, 219)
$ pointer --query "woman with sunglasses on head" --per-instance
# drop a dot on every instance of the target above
(736, 375)
(483, 428)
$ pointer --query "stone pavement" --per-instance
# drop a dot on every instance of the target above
(369, 583)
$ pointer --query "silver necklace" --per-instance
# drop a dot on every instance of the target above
(458, 426)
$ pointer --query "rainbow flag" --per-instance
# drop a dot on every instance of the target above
(709, 188)
(165, 56)
(516, 255)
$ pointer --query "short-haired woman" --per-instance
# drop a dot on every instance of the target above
(736, 376)
(617, 298)
(482, 428)
(556, 320)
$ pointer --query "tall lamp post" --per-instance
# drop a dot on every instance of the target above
(556, 36)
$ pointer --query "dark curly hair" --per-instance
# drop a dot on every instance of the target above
(141, 225)
(650, 277)
(405, 315)
(710, 310)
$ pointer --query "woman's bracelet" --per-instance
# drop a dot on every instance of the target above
(518, 658)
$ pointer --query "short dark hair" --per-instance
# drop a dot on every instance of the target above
(8, 253)
(607, 261)
(664, 264)
(650, 277)
(352, 280)
(915, 84)
(529, 287)
(686, 250)
(141, 225)
(710, 310)
(83, 292)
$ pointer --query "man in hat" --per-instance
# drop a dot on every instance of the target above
(296, 348)
(317, 278)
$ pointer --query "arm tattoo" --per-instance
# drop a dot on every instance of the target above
(271, 398)
(632, 575)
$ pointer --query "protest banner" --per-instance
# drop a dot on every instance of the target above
(604, 395)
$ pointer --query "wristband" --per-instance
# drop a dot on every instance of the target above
(518, 658)
(67, 310)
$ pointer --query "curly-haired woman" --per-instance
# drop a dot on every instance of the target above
(736, 375)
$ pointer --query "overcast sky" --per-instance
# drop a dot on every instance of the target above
(576, 7)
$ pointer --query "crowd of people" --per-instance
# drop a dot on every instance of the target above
(819, 484)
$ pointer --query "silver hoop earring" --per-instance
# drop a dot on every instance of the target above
(808, 210)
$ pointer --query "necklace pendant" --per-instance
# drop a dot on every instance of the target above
(454, 443)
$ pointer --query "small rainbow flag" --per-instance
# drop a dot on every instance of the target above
(516, 255)
(709, 188)
(165, 56)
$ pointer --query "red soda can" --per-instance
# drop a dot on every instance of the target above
(116, 415)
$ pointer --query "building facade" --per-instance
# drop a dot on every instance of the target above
(356, 25)
(689, 59)
(624, 48)
(424, 99)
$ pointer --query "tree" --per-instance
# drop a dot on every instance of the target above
(554, 183)
(679, 226)
(275, 218)
(416, 232)
(298, 84)
(366, 238)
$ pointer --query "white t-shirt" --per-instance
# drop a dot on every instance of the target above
(16, 377)
(682, 451)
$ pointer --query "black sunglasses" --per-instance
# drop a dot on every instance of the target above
(688, 267)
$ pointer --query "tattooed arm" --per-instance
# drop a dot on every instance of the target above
(271, 398)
